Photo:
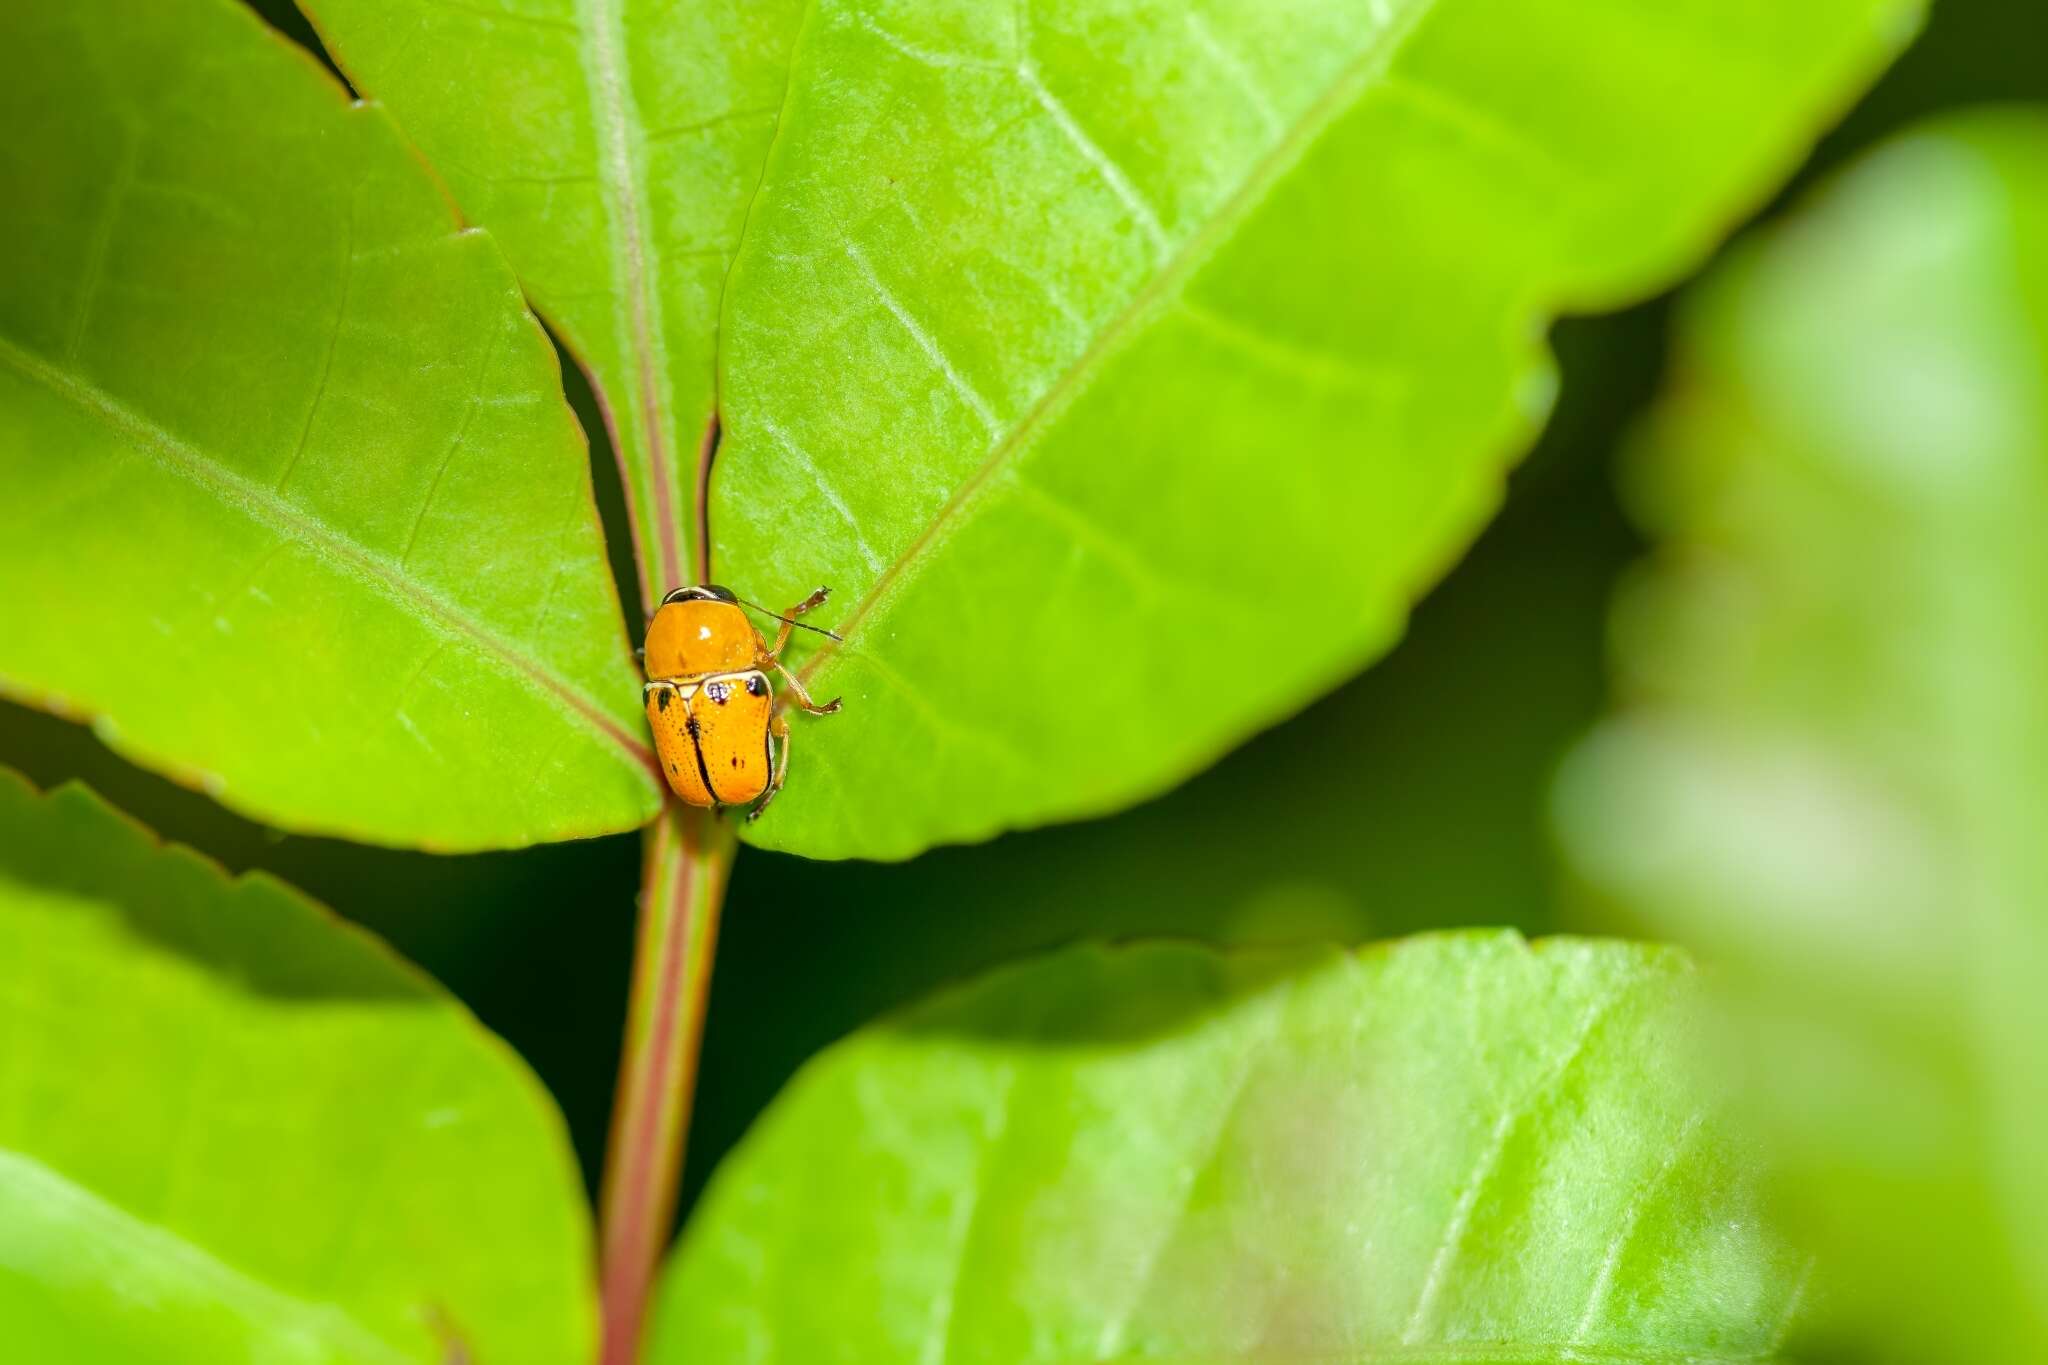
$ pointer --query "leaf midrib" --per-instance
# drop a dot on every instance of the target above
(624, 183)
(1265, 172)
(331, 546)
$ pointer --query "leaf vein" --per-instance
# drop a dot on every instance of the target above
(923, 56)
(1232, 66)
(1113, 175)
(1489, 1162)
(102, 241)
(926, 342)
(1151, 580)
(703, 125)
(348, 271)
(825, 490)
(1326, 368)
(455, 443)
(1625, 1231)
(938, 723)
(1369, 65)
(938, 1339)
(1212, 1159)
(267, 508)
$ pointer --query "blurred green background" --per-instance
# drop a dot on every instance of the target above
(1412, 798)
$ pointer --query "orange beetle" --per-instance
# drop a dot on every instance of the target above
(722, 739)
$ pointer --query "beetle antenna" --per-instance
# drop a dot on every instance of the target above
(800, 625)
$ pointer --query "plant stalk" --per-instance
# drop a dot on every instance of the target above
(688, 858)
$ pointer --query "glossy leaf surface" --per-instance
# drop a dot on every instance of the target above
(232, 1128)
(1832, 766)
(1450, 1149)
(612, 146)
(287, 463)
(1129, 367)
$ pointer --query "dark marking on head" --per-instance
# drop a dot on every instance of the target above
(701, 592)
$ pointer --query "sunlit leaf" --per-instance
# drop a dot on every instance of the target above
(1833, 763)
(1071, 343)
(294, 508)
(1451, 1149)
(1128, 366)
(612, 146)
(234, 1129)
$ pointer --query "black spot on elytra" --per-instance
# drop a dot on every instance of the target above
(664, 694)
(757, 686)
(691, 726)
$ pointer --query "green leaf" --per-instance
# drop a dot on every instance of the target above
(233, 1128)
(612, 147)
(1450, 1149)
(1833, 762)
(1130, 367)
(307, 519)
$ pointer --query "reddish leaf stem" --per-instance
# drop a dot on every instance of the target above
(688, 857)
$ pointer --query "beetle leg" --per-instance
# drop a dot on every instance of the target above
(782, 636)
(778, 726)
(796, 685)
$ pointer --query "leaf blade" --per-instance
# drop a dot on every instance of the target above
(1455, 1148)
(232, 1037)
(262, 365)
(1062, 326)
